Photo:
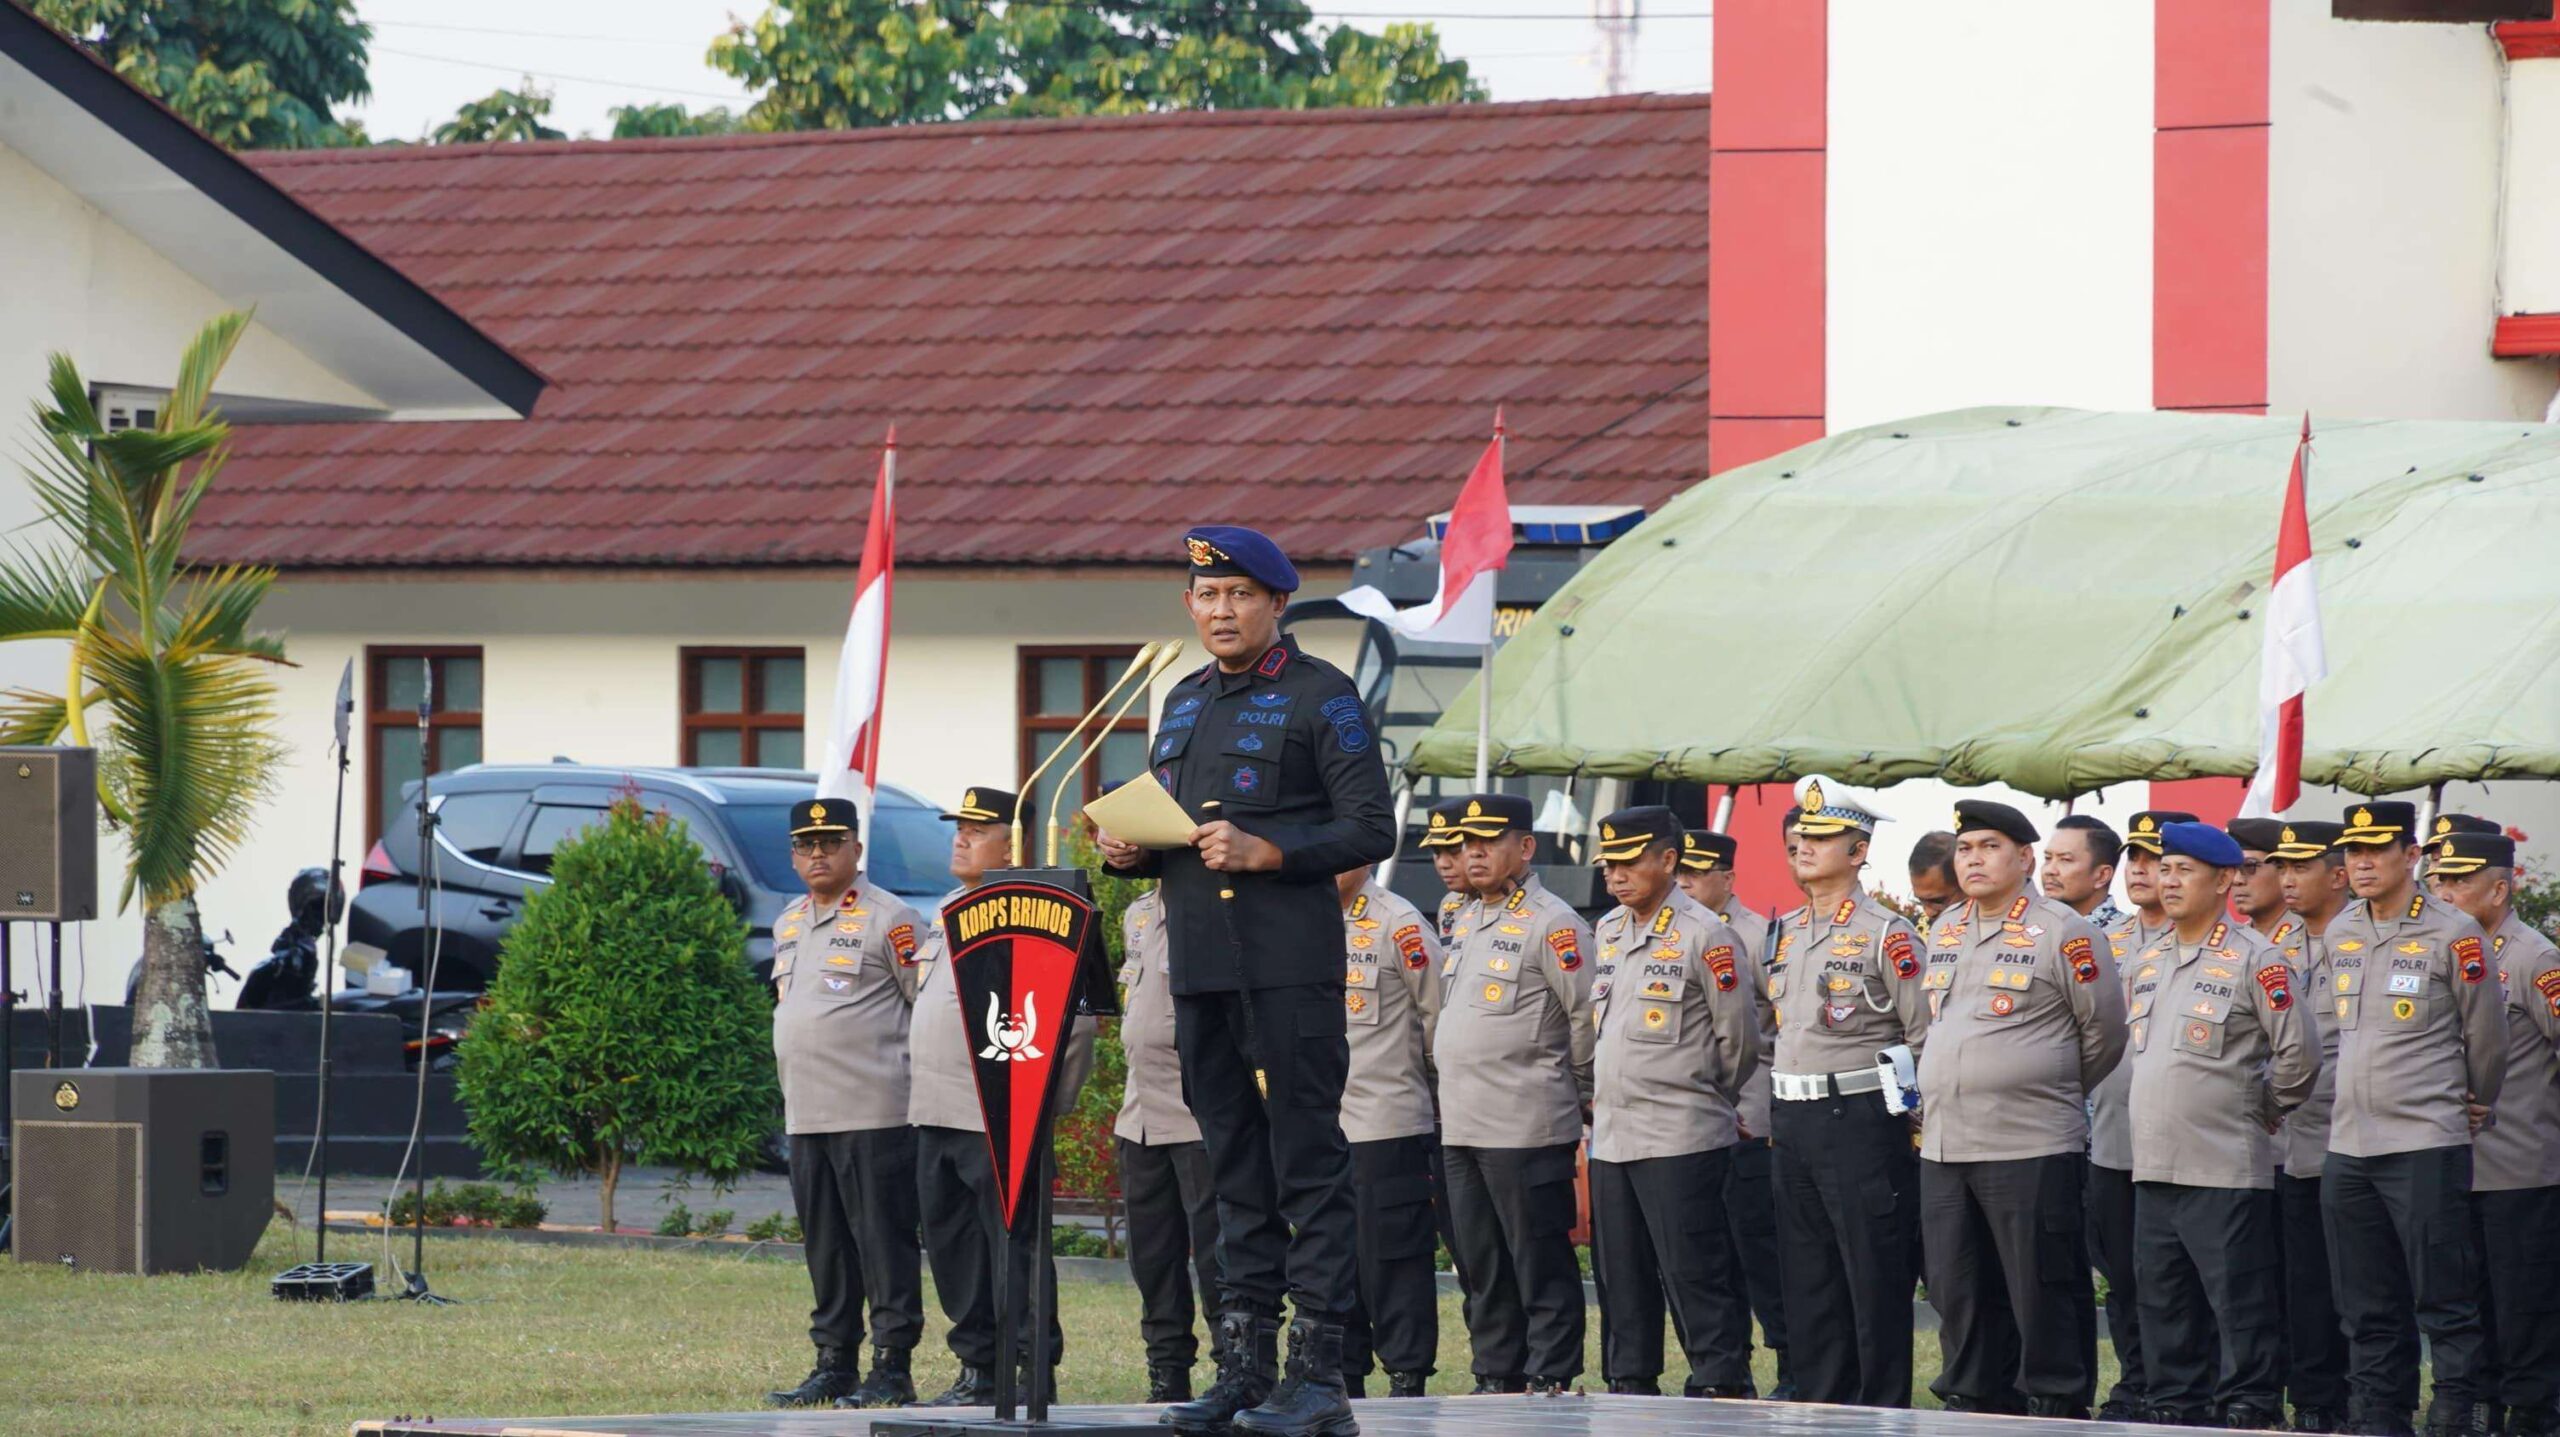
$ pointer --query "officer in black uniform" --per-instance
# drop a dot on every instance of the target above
(1278, 742)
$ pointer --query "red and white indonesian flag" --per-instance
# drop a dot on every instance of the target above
(2294, 659)
(852, 767)
(1472, 552)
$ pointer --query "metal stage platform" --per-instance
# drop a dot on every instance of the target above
(1409, 1417)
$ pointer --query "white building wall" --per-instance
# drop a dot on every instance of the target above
(1988, 206)
(2529, 280)
(2383, 221)
(588, 668)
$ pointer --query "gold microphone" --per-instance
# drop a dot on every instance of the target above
(1138, 666)
(1166, 653)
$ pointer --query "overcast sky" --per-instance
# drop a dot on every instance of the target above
(429, 56)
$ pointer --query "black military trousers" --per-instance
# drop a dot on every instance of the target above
(1173, 1237)
(856, 1197)
(1751, 1225)
(1513, 1209)
(2519, 1235)
(1848, 1214)
(2016, 1228)
(2315, 1346)
(963, 1233)
(2400, 1240)
(2207, 1260)
(1657, 1236)
(2110, 1213)
(1398, 1319)
(1281, 1167)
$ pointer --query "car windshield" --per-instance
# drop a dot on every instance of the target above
(907, 851)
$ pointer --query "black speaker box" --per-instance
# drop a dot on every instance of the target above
(142, 1170)
(48, 835)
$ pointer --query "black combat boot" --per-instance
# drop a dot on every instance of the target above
(1492, 1383)
(1310, 1400)
(2449, 1418)
(974, 1387)
(2542, 1421)
(1548, 1386)
(1635, 1387)
(2319, 1419)
(2250, 1417)
(836, 1375)
(892, 1382)
(1785, 1388)
(2374, 1419)
(2158, 1415)
(1023, 1389)
(2124, 1404)
(1738, 1391)
(1168, 1382)
(1407, 1384)
(1248, 1368)
(2062, 1407)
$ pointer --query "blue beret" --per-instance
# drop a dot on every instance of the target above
(2202, 842)
(1226, 550)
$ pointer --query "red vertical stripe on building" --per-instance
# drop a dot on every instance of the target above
(1765, 262)
(2209, 242)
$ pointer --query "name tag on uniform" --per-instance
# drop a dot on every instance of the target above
(2408, 982)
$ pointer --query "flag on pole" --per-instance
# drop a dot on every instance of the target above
(2294, 659)
(852, 767)
(1472, 552)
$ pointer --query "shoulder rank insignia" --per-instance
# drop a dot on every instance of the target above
(1518, 900)
(1359, 906)
(1662, 920)
(1566, 947)
(2018, 909)
(2417, 904)
(1842, 914)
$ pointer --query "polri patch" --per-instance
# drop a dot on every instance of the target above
(902, 940)
(1903, 954)
(2277, 980)
(1566, 947)
(1720, 963)
(1409, 946)
(2082, 955)
(2466, 951)
(1350, 725)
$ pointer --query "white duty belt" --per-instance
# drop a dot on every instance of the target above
(1813, 1087)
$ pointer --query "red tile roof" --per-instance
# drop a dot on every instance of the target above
(1089, 334)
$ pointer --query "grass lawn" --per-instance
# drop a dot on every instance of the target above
(539, 1331)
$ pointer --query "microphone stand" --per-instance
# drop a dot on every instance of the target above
(430, 942)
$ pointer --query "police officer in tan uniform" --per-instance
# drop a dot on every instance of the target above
(2422, 1043)
(1845, 982)
(955, 1177)
(1390, 1001)
(1514, 1052)
(1164, 1172)
(844, 980)
(2110, 1205)
(2219, 1054)
(2313, 876)
(2027, 1015)
(2515, 1182)
(1448, 860)
(1675, 1006)
(1707, 863)
(2257, 892)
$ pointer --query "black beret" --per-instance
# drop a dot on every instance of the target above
(1981, 813)
(2262, 834)
(825, 815)
(1703, 850)
(1628, 833)
(2380, 821)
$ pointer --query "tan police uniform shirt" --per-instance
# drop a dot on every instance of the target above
(1450, 904)
(1390, 1000)
(845, 986)
(1676, 1003)
(2219, 1054)
(2420, 1021)
(2110, 1103)
(1846, 983)
(2302, 1149)
(1152, 1112)
(946, 1042)
(2522, 1148)
(2026, 1016)
(1515, 1039)
(1752, 1108)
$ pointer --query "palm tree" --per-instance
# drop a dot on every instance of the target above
(161, 649)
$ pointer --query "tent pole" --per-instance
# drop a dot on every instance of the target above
(2427, 812)
(1484, 718)
(1724, 809)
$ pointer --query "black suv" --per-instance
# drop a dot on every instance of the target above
(497, 826)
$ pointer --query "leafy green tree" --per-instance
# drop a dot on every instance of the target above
(163, 649)
(652, 122)
(844, 64)
(500, 115)
(624, 1025)
(253, 74)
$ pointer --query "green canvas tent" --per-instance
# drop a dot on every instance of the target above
(2057, 600)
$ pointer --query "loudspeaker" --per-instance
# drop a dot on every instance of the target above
(48, 835)
(142, 1169)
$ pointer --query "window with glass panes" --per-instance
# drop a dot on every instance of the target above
(396, 754)
(745, 708)
(1057, 687)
